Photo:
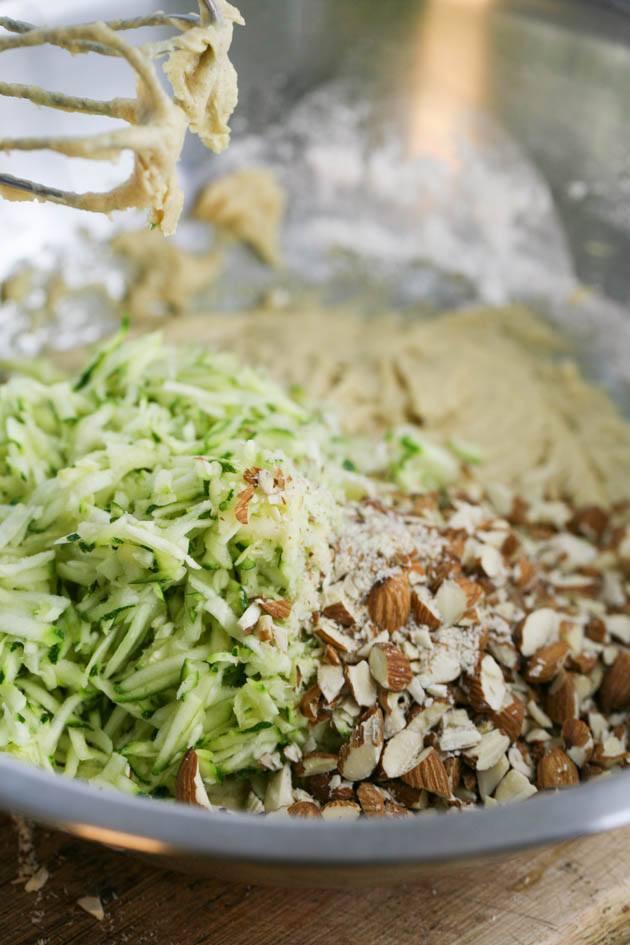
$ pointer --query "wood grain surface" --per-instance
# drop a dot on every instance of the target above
(574, 894)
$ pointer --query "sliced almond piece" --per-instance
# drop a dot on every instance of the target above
(578, 741)
(389, 602)
(330, 680)
(490, 749)
(614, 692)
(429, 774)
(562, 701)
(487, 689)
(546, 662)
(316, 762)
(189, 786)
(307, 809)
(540, 627)
(341, 810)
(361, 683)
(361, 753)
(390, 667)
(371, 799)
(402, 753)
(556, 770)
(425, 612)
(277, 609)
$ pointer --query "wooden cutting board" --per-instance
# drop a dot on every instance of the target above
(575, 894)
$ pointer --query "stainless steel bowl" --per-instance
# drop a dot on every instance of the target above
(437, 151)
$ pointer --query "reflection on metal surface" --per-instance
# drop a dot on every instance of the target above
(450, 73)
(122, 841)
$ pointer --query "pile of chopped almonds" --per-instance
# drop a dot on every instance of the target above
(468, 655)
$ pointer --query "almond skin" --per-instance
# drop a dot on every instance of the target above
(509, 720)
(243, 499)
(277, 609)
(371, 800)
(525, 572)
(389, 602)
(575, 733)
(304, 809)
(556, 770)
(591, 522)
(189, 787)
(562, 699)
(310, 704)
(423, 614)
(596, 630)
(546, 662)
(331, 656)
(614, 692)
(339, 613)
(390, 667)
(360, 755)
(429, 774)
(578, 741)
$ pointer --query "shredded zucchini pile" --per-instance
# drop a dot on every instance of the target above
(146, 508)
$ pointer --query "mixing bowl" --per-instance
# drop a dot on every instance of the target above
(435, 152)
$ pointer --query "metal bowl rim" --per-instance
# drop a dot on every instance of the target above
(169, 829)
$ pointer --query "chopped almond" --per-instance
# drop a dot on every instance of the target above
(390, 667)
(189, 786)
(614, 693)
(304, 809)
(389, 602)
(361, 683)
(277, 609)
(556, 770)
(429, 774)
(509, 719)
(578, 741)
(316, 762)
(562, 699)
(424, 612)
(335, 638)
(310, 704)
(487, 689)
(371, 799)
(241, 509)
(546, 662)
(341, 810)
(361, 753)
(339, 613)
